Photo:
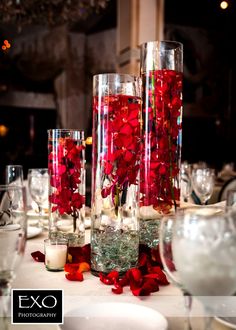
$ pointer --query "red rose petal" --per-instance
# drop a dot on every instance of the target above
(117, 290)
(77, 276)
(147, 288)
(38, 256)
(113, 275)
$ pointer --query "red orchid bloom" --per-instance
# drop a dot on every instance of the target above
(120, 162)
(161, 140)
(65, 172)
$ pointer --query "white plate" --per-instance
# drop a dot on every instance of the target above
(10, 227)
(33, 231)
(34, 214)
(114, 316)
(228, 321)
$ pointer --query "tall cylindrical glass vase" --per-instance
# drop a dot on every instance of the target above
(162, 73)
(115, 166)
(66, 168)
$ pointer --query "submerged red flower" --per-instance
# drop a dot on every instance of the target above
(80, 253)
(120, 163)
(65, 172)
(159, 169)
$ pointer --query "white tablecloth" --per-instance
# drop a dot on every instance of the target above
(31, 274)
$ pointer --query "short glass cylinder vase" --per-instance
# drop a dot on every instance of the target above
(115, 166)
(162, 74)
(66, 168)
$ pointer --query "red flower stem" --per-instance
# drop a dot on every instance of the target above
(124, 192)
(171, 170)
(153, 92)
(116, 199)
(75, 217)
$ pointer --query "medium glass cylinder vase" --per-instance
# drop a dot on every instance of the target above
(66, 167)
(115, 166)
(162, 74)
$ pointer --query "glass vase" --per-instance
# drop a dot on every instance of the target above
(159, 188)
(115, 166)
(66, 168)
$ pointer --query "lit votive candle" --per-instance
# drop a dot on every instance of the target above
(55, 253)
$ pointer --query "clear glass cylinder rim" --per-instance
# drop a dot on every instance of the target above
(113, 75)
(56, 133)
(65, 130)
(156, 43)
(13, 165)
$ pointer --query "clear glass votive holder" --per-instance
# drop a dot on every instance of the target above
(55, 253)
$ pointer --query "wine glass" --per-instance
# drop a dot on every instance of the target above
(13, 228)
(204, 254)
(203, 181)
(166, 255)
(14, 175)
(38, 184)
(185, 182)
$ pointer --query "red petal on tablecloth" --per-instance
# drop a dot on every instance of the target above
(149, 285)
(117, 289)
(142, 280)
(74, 271)
(110, 278)
(157, 273)
(38, 256)
(76, 276)
(135, 278)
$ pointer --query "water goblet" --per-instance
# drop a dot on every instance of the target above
(203, 181)
(185, 182)
(204, 254)
(13, 228)
(166, 255)
(38, 184)
(14, 175)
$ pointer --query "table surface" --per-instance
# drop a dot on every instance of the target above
(168, 301)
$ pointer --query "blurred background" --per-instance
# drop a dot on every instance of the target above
(50, 50)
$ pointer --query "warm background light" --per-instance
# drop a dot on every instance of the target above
(3, 130)
(224, 4)
(6, 45)
(89, 140)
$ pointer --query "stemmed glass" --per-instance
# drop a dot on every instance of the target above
(166, 255)
(185, 182)
(14, 175)
(204, 254)
(38, 184)
(13, 227)
(203, 181)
